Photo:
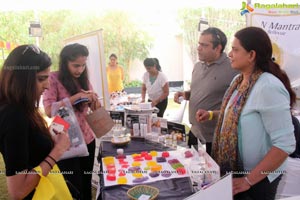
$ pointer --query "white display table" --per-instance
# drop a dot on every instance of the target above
(290, 182)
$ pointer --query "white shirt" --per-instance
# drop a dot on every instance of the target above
(155, 90)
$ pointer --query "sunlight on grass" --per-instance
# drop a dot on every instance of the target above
(3, 188)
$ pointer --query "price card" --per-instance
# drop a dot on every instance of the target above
(58, 124)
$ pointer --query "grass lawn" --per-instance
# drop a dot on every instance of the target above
(3, 188)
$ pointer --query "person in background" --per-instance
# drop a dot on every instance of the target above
(71, 81)
(156, 83)
(25, 140)
(115, 75)
(210, 79)
(254, 133)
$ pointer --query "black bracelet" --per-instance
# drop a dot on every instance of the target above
(46, 161)
(52, 159)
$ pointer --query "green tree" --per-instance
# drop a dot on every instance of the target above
(228, 20)
(54, 33)
(123, 37)
(69, 25)
(14, 29)
(188, 20)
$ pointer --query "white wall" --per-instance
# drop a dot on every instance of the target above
(173, 58)
(168, 45)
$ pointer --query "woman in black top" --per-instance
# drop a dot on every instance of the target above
(25, 141)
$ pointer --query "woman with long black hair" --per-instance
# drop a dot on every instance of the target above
(254, 133)
(156, 84)
(25, 141)
(71, 81)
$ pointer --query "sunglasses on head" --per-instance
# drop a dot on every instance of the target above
(217, 36)
(33, 48)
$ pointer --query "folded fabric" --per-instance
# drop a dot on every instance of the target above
(52, 186)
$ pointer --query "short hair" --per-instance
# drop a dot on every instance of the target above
(218, 36)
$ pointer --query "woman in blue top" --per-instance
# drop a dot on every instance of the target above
(254, 134)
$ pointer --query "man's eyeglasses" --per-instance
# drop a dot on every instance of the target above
(33, 48)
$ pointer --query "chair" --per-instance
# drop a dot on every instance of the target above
(178, 115)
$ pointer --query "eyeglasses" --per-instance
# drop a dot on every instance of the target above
(33, 48)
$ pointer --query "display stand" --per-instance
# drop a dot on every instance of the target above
(138, 121)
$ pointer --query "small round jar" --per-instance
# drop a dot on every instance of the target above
(120, 151)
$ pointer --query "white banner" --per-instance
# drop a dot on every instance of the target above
(284, 31)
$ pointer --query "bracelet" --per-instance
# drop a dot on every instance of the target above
(211, 115)
(46, 161)
(52, 158)
(247, 180)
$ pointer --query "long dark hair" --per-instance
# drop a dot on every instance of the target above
(152, 62)
(18, 85)
(256, 39)
(70, 53)
(158, 67)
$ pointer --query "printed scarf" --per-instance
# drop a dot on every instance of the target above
(225, 145)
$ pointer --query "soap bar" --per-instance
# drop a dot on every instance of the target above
(156, 168)
(166, 173)
(165, 154)
(148, 157)
(122, 180)
(111, 177)
(181, 171)
(108, 160)
(144, 153)
(153, 153)
(160, 159)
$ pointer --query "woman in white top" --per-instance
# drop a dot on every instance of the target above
(156, 83)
